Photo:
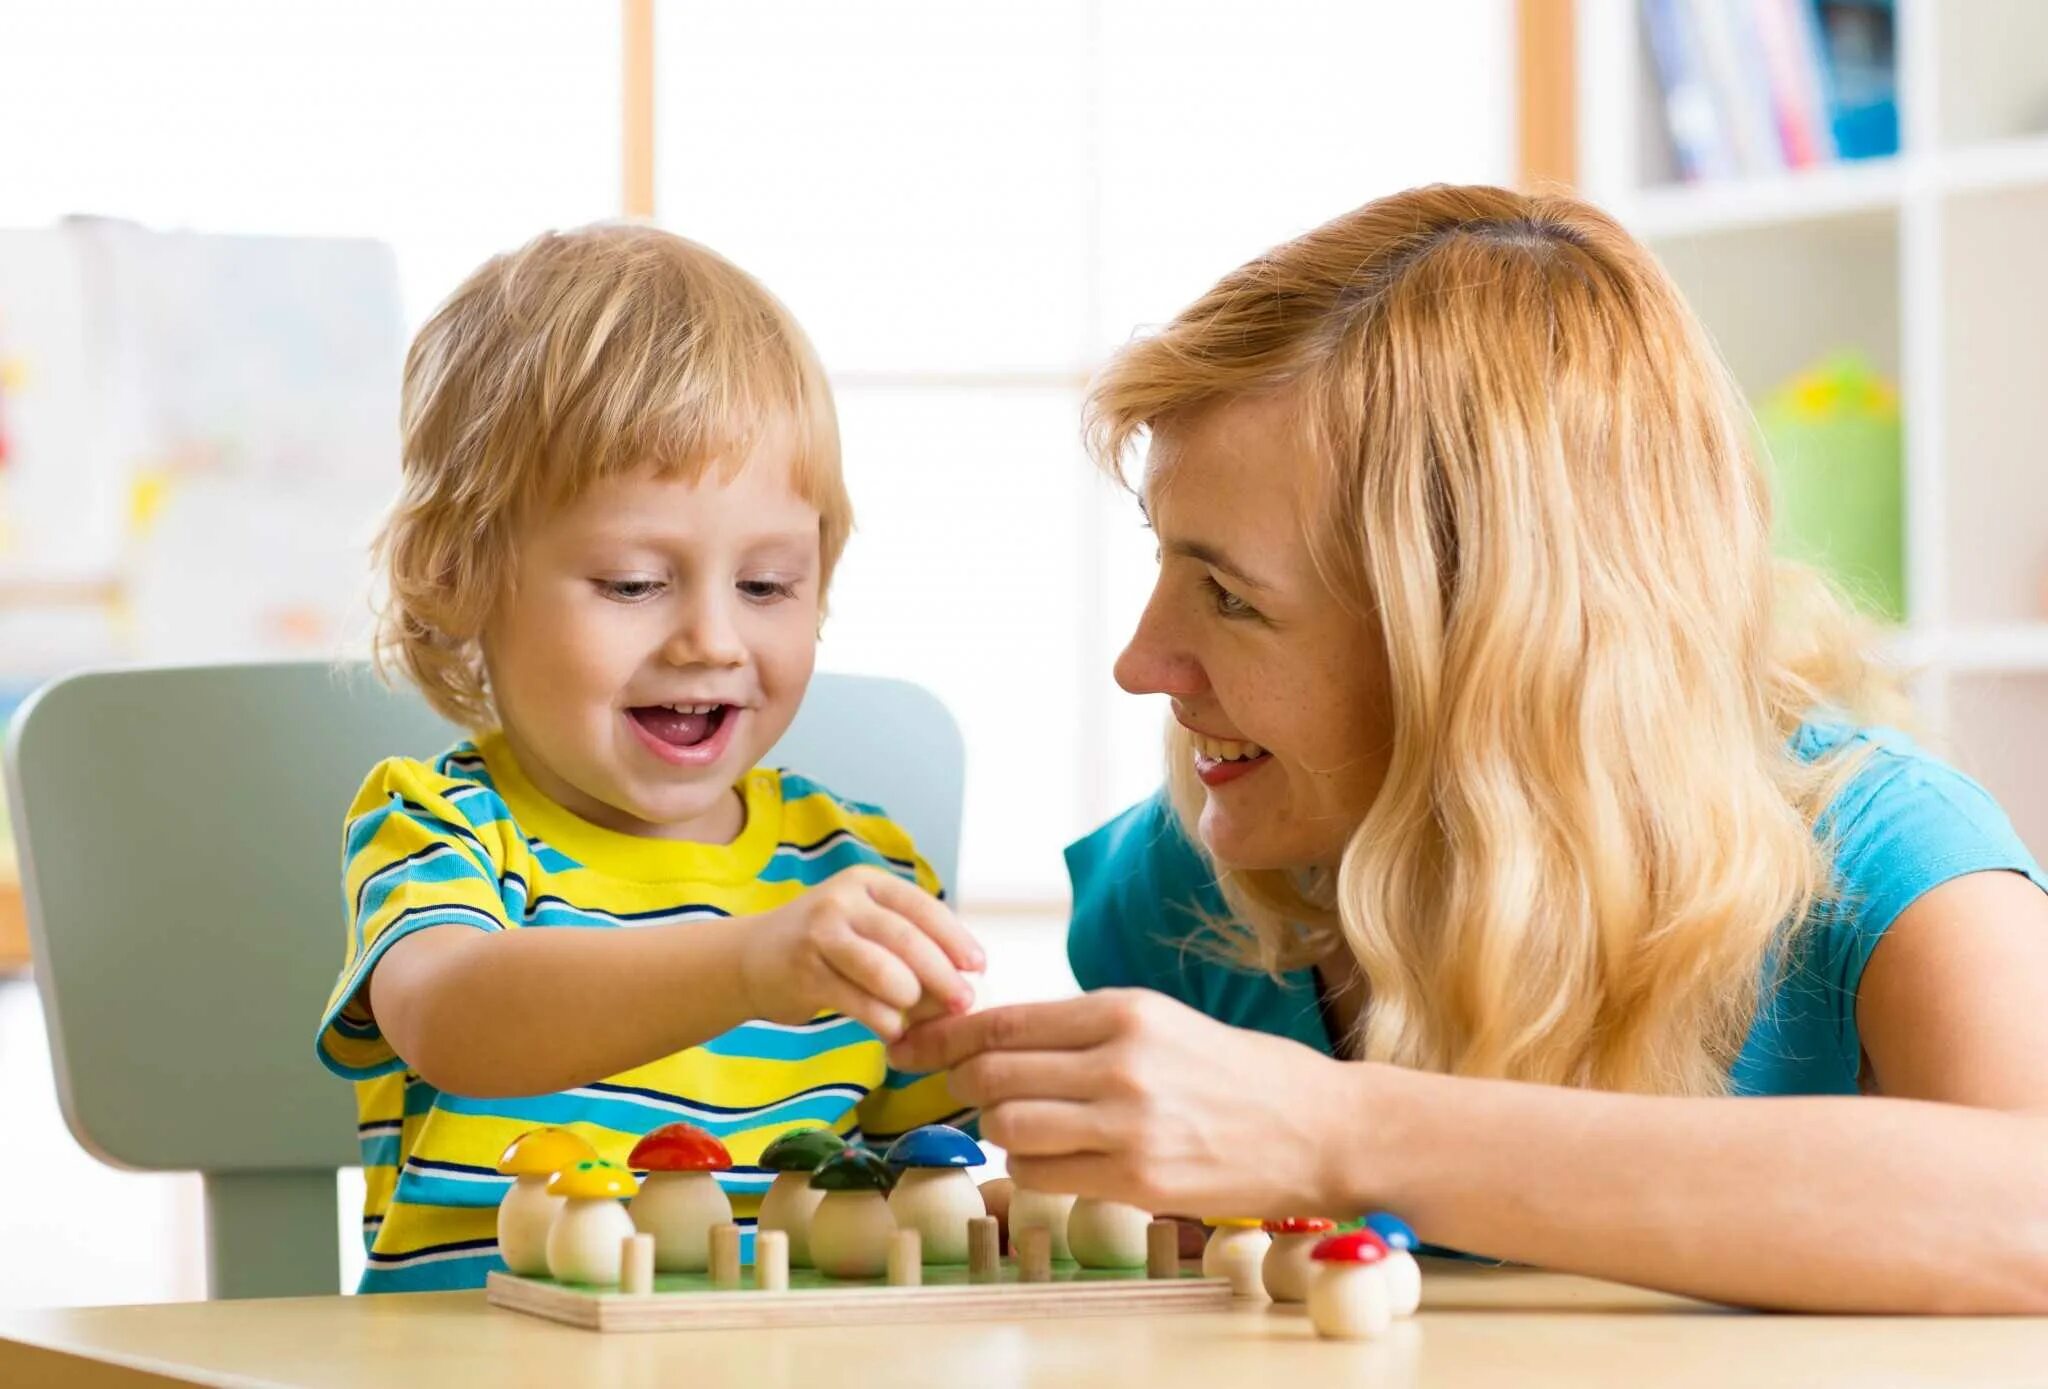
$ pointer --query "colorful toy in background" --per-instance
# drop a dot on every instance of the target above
(1837, 453)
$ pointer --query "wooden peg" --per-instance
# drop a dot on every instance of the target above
(1162, 1249)
(984, 1249)
(1034, 1254)
(636, 1265)
(771, 1260)
(906, 1259)
(725, 1255)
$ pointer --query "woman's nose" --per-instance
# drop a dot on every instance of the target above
(1153, 663)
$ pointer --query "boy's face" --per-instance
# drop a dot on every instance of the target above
(656, 641)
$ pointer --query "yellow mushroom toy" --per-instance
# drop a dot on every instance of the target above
(589, 1234)
(527, 1210)
(1235, 1251)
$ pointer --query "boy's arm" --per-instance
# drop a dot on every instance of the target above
(530, 1012)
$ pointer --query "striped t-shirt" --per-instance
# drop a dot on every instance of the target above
(469, 841)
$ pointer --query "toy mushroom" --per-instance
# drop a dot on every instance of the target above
(850, 1229)
(1404, 1275)
(1288, 1270)
(590, 1231)
(527, 1209)
(1234, 1251)
(791, 1198)
(1107, 1234)
(680, 1200)
(1348, 1299)
(934, 1195)
(1041, 1210)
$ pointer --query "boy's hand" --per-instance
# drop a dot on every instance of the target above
(864, 943)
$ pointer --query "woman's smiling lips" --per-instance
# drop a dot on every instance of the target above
(1220, 761)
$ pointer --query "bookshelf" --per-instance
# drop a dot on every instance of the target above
(1934, 264)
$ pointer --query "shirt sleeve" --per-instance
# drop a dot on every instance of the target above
(410, 860)
(1905, 824)
(1140, 888)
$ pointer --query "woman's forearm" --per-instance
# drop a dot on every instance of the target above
(1822, 1203)
(532, 1012)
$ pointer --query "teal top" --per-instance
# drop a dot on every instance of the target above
(1904, 824)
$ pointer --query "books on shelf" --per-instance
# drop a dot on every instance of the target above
(1755, 87)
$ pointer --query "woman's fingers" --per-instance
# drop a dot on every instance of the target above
(998, 1077)
(1070, 1024)
(1043, 1128)
(1082, 1174)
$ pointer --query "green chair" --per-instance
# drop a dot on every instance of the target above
(180, 833)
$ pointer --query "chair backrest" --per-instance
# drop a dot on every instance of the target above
(179, 833)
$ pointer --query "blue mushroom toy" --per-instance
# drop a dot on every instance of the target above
(934, 1195)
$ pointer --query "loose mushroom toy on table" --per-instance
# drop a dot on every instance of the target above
(1235, 1251)
(680, 1200)
(934, 1195)
(791, 1198)
(1288, 1267)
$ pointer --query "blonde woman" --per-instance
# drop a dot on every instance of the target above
(1535, 864)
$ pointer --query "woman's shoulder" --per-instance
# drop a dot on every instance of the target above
(1905, 820)
(1141, 888)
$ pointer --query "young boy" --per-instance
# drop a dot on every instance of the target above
(621, 509)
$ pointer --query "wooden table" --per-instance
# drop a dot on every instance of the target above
(1478, 1326)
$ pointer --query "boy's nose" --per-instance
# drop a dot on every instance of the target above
(706, 638)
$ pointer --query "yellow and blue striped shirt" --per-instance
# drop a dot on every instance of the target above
(469, 841)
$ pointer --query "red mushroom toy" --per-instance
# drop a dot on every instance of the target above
(680, 1200)
(1349, 1299)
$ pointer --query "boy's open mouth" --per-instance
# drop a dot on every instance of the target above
(681, 725)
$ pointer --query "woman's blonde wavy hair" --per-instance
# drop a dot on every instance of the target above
(581, 356)
(1538, 485)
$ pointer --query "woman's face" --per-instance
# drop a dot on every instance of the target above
(1282, 688)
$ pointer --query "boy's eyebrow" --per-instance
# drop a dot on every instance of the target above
(1201, 551)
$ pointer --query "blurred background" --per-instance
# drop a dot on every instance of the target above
(220, 220)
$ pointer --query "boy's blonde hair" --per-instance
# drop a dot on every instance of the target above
(579, 357)
(1537, 485)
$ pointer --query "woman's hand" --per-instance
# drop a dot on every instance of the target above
(1128, 1095)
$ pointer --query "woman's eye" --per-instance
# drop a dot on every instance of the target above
(628, 590)
(767, 590)
(1228, 604)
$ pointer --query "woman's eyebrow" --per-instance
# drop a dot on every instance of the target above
(1215, 558)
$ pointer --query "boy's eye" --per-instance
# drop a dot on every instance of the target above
(767, 590)
(628, 590)
(1228, 604)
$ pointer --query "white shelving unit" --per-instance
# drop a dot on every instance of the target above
(1934, 264)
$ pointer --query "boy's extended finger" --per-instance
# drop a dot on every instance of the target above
(932, 916)
(919, 951)
(872, 969)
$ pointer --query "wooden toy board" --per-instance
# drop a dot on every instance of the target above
(688, 1302)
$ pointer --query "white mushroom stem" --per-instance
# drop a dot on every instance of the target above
(850, 1234)
(586, 1239)
(1289, 1268)
(1235, 1252)
(937, 1202)
(679, 1209)
(1107, 1234)
(1404, 1282)
(1041, 1210)
(788, 1207)
(524, 1218)
(1350, 1302)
